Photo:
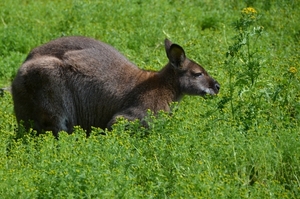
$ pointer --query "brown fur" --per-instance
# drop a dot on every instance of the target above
(81, 81)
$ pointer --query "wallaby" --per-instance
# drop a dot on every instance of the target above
(81, 81)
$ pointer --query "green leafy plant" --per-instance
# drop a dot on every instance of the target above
(243, 65)
(242, 143)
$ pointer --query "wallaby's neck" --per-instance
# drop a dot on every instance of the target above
(169, 79)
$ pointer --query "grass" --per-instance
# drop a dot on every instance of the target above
(244, 143)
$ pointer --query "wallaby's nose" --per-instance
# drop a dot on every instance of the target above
(217, 86)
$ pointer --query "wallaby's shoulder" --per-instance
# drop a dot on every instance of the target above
(59, 47)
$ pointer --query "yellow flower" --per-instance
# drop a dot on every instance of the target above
(293, 70)
(249, 10)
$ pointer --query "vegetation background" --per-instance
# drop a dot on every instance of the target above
(244, 143)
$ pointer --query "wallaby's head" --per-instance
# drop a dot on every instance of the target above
(193, 78)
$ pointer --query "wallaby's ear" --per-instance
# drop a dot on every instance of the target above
(175, 53)
(168, 44)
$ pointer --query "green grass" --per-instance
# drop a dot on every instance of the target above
(244, 143)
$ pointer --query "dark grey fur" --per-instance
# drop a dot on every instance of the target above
(81, 81)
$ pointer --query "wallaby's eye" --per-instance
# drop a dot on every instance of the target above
(199, 74)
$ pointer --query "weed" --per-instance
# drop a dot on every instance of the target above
(243, 143)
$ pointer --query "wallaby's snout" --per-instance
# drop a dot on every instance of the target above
(217, 87)
(214, 87)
